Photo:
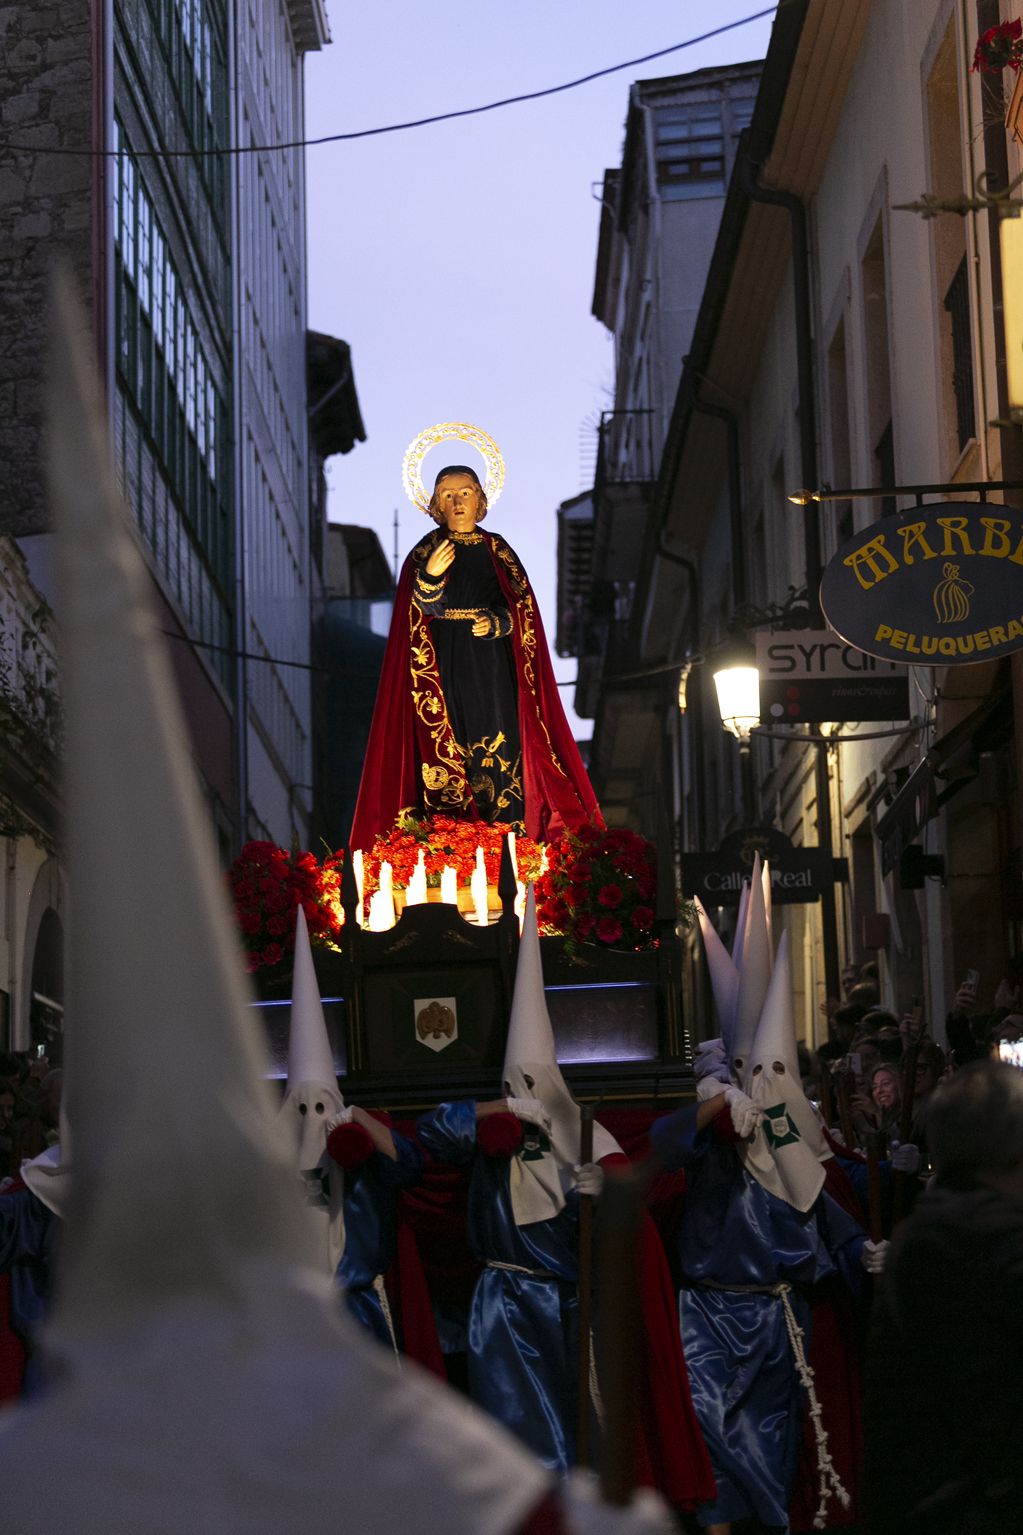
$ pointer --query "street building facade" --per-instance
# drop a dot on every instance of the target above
(659, 220)
(842, 342)
(186, 237)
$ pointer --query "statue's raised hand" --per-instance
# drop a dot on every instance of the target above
(441, 558)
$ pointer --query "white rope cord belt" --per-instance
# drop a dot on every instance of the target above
(385, 1307)
(518, 1268)
(829, 1483)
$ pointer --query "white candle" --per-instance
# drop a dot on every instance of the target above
(478, 886)
(381, 912)
(520, 903)
(543, 861)
(359, 873)
(386, 892)
(449, 886)
(415, 892)
(511, 849)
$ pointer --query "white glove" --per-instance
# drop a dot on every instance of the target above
(586, 1513)
(905, 1157)
(874, 1255)
(711, 1060)
(342, 1117)
(710, 1087)
(589, 1179)
(745, 1114)
(530, 1109)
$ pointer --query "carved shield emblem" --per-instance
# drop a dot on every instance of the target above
(436, 1021)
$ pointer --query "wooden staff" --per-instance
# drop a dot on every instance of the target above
(584, 1455)
(905, 1126)
(620, 1337)
(827, 1100)
(845, 1119)
(876, 1219)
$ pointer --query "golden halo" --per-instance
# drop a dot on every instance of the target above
(448, 431)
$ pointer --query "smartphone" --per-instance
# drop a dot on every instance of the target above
(1011, 1050)
(855, 1060)
(972, 980)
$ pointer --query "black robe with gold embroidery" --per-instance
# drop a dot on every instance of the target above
(477, 672)
(465, 725)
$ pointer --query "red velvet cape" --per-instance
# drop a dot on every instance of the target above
(403, 738)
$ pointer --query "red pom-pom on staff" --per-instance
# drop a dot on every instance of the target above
(499, 1135)
(350, 1146)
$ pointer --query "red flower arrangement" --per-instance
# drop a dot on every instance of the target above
(998, 47)
(445, 843)
(268, 885)
(600, 888)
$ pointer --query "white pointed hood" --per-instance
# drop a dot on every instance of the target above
(754, 975)
(203, 1366)
(543, 1171)
(312, 1096)
(312, 1099)
(739, 936)
(49, 1177)
(788, 1147)
(765, 875)
(724, 975)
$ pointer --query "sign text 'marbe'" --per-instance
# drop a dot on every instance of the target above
(874, 561)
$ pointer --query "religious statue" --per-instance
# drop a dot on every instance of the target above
(468, 721)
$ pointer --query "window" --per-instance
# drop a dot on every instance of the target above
(840, 457)
(878, 358)
(957, 307)
(171, 419)
(690, 151)
(195, 46)
(957, 414)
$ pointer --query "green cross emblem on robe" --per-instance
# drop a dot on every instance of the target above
(779, 1128)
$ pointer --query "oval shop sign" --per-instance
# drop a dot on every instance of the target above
(939, 585)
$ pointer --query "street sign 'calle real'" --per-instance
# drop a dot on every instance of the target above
(939, 585)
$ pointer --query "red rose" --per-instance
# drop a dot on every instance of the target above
(643, 919)
(277, 926)
(610, 896)
(273, 954)
(584, 925)
(609, 930)
(250, 921)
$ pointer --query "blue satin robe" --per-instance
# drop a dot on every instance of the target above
(27, 1229)
(746, 1392)
(523, 1330)
(371, 1219)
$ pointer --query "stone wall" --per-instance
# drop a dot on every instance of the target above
(46, 87)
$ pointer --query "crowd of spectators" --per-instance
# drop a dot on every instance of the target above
(875, 1073)
(29, 1108)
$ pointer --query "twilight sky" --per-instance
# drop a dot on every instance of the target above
(458, 259)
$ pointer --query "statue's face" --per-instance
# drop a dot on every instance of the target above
(458, 500)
